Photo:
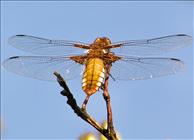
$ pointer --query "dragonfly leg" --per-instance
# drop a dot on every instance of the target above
(85, 102)
(102, 86)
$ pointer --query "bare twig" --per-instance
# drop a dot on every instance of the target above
(110, 126)
(110, 135)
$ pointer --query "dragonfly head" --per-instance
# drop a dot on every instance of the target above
(102, 41)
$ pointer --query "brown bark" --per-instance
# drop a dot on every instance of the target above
(109, 133)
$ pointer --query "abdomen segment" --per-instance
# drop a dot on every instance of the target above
(93, 75)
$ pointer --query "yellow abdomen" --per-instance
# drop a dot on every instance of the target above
(93, 75)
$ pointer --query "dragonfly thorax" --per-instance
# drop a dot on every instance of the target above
(102, 41)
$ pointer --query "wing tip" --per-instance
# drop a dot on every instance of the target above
(188, 37)
(6, 61)
(12, 38)
(184, 40)
(180, 63)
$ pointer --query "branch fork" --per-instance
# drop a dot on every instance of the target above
(109, 133)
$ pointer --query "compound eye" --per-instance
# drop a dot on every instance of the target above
(97, 40)
(107, 42)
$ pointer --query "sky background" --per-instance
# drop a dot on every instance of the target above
(160, 108)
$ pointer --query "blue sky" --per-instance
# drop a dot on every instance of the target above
(160, 108)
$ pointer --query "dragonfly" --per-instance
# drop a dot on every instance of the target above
(129, 60)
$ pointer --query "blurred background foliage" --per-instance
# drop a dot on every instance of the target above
(92, 136)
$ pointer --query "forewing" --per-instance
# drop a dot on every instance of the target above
(43, 67)
(42, 46)
(152, 46)
(133, 68)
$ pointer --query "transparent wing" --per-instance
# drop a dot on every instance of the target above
(44, 46)
(132, 68)
(42, 67)
(151, 46)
